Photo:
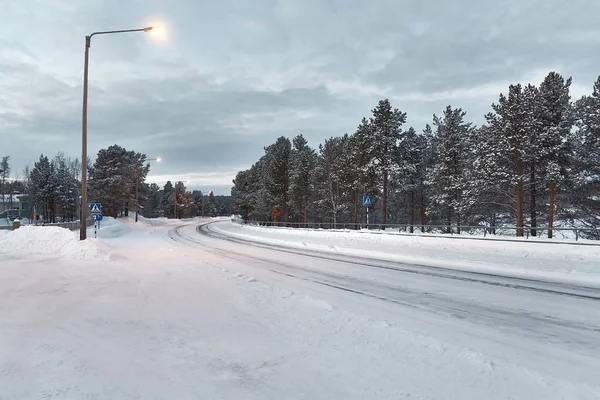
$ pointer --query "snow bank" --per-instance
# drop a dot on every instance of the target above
(109, 228)
(51, 241)
(566, 237)
(564, 262)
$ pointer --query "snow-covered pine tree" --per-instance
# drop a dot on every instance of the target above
(585, 198)
(360, 171)
(426, 207)
(556, 121)
(113, 176)
(493, 194)
(67, 188)
(533, 151)
(43, 188)
(302, 167)
(500, 166)
(410, 179)
(447, 177)
(333, 188)
(386, 124)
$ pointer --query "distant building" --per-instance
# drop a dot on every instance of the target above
(14, 205)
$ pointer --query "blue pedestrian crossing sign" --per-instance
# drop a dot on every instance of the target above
(367, 201)
(95, 208)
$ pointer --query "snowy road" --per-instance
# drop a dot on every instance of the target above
(560, 320)
(189, 311)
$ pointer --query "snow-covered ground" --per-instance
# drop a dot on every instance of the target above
(161, 310)
(553, 261)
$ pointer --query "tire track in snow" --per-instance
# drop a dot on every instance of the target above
(398, 295)
(583, 292)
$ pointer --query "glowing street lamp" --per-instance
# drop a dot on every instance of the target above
(88, 40)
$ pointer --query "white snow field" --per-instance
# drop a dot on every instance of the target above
(206, 309)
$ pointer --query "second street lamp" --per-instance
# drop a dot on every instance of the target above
(137, 185)
(88, 41)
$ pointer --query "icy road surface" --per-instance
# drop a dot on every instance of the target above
(189, 310)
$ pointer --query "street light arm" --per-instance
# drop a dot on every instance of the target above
(89, 37)
(147, 29)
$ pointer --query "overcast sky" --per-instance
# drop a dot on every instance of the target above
(230, 76)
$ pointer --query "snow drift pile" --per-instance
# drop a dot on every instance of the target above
(47, 240)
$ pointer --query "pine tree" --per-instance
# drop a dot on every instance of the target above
(303, 161)
(502, 159)
(448, 178)
(152, 203)
(224, 205)
(491, 180)
(67, 188)
(386, 130)
(585, 197)
(533, 150)
(198, 200)
(333, 186)
(183, 204)
(410, 179)
(361, 172)
(243, 193)
(556, 121)
(167, 200)
(177, 199)
(426, 210)
(250, 196)
(113, 178)
(43, 188)
(212, 204)
(277, 174)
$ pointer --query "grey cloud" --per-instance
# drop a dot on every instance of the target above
(186, 120)
(490, 41)
(232, 76)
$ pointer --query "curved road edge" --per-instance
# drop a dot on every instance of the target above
(538, 285)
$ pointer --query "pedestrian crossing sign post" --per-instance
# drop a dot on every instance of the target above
(367, 202)
(96, 211)
(95, 208)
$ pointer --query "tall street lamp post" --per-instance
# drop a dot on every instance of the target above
(137, 184)
(88, 40)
